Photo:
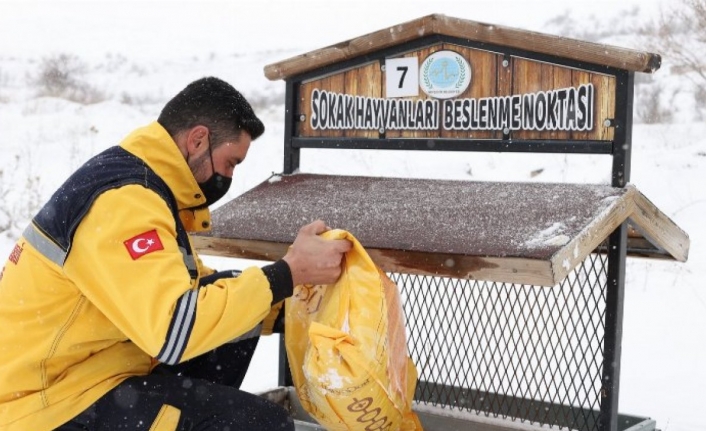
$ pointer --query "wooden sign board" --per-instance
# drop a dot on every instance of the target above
(505, 95)
(448, 84)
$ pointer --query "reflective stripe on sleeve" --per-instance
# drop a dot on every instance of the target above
(179, 329)
(44, 245)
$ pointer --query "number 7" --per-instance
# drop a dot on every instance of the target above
(404, 73)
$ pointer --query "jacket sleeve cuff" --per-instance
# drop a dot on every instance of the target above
(280, 277)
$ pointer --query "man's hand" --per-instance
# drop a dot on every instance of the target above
(314, 260)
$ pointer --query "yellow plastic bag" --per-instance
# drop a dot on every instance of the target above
(347, 350)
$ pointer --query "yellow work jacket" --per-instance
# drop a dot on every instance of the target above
(75, 323)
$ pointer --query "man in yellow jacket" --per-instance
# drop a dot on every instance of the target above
(108, 319)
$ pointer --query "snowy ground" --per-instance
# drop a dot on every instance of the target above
(135, 55)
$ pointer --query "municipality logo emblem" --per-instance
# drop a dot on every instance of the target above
(444, 74)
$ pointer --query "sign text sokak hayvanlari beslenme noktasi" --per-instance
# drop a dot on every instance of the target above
(563, 109)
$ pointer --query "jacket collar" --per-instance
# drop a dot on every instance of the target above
(155, 146)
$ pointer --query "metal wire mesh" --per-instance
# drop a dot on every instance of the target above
(528, 353)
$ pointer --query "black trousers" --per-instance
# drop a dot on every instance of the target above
(203, 392)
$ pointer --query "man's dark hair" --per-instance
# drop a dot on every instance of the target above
(213, 103)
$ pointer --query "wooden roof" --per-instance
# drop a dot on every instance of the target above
(620, 58)
(529, 233)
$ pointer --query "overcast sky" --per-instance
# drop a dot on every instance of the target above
(170, 28)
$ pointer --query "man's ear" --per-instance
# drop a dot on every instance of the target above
(197, 140)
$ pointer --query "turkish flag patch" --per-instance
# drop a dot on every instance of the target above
(144, 243)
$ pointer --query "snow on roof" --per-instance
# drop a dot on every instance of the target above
(501, 226)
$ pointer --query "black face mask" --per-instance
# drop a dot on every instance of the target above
(216, 186)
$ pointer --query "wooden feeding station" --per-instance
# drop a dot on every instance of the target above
(513, 292)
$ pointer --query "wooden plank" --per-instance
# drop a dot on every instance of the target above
(502, 270)
(335, 84)
(348, 49)
(605, 87)
(364, 81)
(562, 79)
(505, 86)
(653, 225)
(641, 247)
(530, 77)
(604, 101)
(580, 246)
(421, 54)
(239, 248)
(304, 127)
(509, 270)
(484, 77)
(577, 50)
(620, 58)
(578, 78)
(658, 228)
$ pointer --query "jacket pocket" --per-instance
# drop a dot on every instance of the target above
(167, 419)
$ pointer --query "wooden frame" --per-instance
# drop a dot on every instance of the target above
(437, 24)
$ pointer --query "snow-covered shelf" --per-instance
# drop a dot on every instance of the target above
(528, 233)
